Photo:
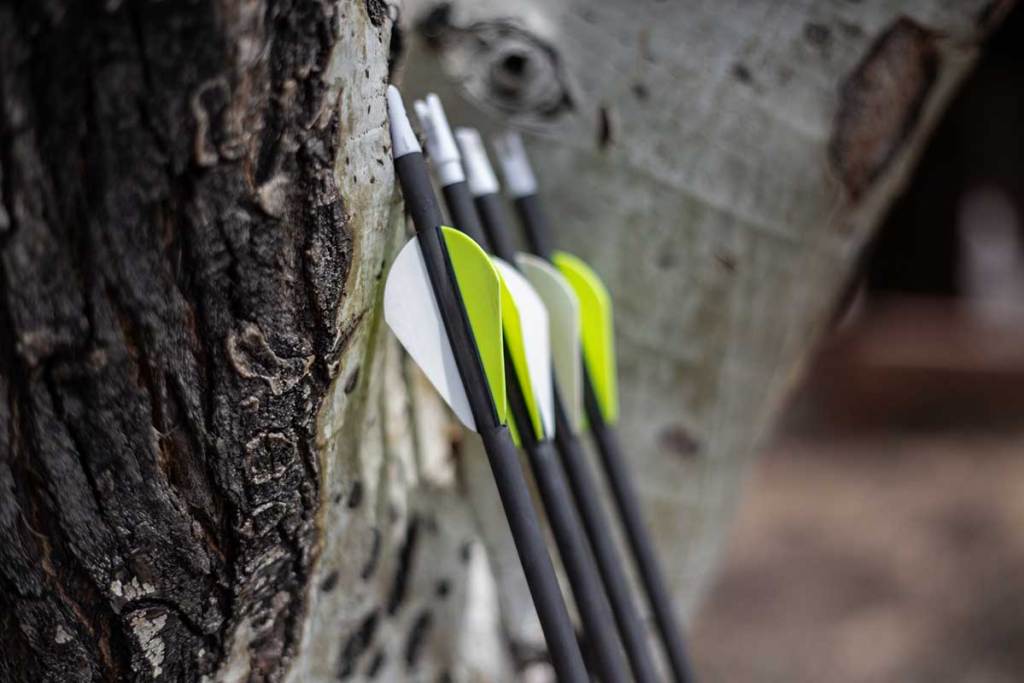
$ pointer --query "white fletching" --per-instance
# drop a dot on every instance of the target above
(533, 317)
(411, 312)
(564, 324)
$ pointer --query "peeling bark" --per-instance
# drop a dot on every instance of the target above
(880, 103)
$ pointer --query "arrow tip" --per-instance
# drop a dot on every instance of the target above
(403, 139)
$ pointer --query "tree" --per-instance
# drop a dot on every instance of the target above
(213, 460)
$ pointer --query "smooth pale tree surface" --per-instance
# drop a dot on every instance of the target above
(720, 165)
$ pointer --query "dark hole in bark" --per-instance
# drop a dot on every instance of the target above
(376, 664)
(330, 582)
(417, 638)
(605, 131)
(515, 64)
(678, 440)
(400, 586)
(356, 645)
(352, 382)
(374, 558)
(510, 73)
(355, 497)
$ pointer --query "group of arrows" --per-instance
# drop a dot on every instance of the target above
(520, 346)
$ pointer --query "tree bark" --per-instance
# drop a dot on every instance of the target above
(176, 249)
(214, 462)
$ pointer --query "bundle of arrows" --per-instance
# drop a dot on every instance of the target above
(520, 346)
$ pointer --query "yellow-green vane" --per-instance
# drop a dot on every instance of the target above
(482, 292)
(597, 333)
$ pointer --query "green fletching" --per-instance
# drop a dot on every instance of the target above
(597, 335)
(516, 346)
(481, 289)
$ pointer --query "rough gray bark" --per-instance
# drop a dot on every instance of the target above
(173, 253)
(214, 462)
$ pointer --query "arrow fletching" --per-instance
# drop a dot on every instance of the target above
(564, 324)
(412, 313)
(596, 330)
(525, 321)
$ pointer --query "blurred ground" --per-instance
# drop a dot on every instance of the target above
(882, 536)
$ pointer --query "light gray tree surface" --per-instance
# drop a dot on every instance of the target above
(721, 165)
(216, 464)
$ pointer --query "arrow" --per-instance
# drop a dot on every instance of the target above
(585, 492)
(600, 397)
(459, 344)
(552, 292)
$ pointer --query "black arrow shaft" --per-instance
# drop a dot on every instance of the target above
(585, 492)
(621, 485)
(501, 452)
(535, 228)
(577, 557)
(599, 531)
(573, 549)
(463, 214)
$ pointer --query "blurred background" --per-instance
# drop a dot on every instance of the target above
(882, 536)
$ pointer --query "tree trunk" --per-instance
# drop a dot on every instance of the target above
(195, 202)
(721, 166)
(214, 462)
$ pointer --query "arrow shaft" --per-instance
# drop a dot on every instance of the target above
(573, 549)
(584, 489)
(577, 557)
(621, 484)
(613, 574)
(533, 554)
(617, 475)
(459, 201)
(501, 452)
(492, 215)
(534, 223)
(419, 195)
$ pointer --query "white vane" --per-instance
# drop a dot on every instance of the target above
(411, 312)
(533, 317)
(564, 315)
